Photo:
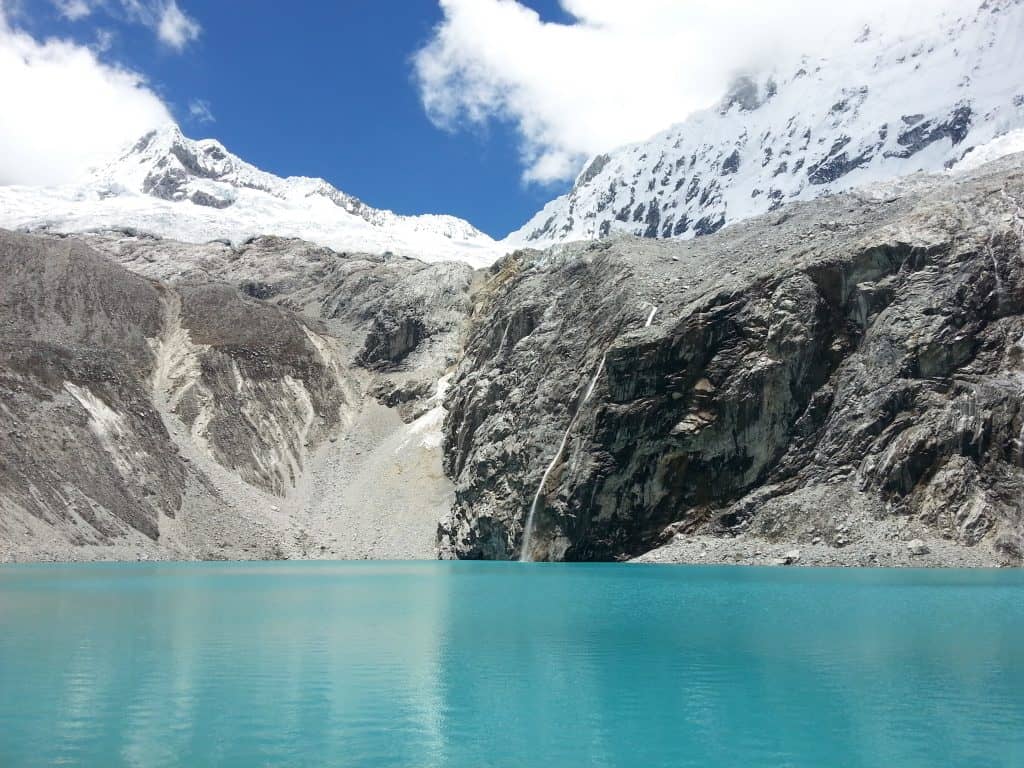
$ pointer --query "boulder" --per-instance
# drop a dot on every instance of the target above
(916, 548)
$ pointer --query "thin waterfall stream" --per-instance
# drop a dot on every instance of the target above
(504, 335)
(524, 549)
(995, 271)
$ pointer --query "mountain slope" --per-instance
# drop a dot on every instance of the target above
(845, 375)
(169, 400)
(196, 191)
(882, 108)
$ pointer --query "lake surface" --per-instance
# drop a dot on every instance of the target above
(502, 664)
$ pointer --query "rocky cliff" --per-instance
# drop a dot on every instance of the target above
(843, 375)
(216, 401)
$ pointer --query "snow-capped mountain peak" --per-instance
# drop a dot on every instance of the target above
(168, 185)
(885, 105)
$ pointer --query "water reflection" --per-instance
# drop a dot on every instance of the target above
(438, 664)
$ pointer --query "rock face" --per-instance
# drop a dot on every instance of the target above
(820, 373)
(83, 447)
(94, 353)
(254, 384)
(198, 403)
(889, 104)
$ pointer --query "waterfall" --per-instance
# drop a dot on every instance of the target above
(995, 271)
(524, 550)
(1018, 217)
(1020, 445)
(504, 335)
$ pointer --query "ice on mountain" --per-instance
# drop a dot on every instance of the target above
(883, 108)
(168, 185)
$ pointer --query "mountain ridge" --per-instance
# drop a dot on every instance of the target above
(890, 106)
(843, 375)
(168, 185)
(887, 106)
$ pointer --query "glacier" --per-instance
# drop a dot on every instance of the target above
(167, 185)
(887, 105)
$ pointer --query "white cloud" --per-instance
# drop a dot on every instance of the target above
(65, 109)
(199, 110)
(73, 9)
(104, 40)
(175, 28)
(623, 70)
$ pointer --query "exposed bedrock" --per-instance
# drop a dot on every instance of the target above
(93, 354)
(810, 372)
(255, 384)
(829, 374)
(179, 406)
(389, 309)
(83, 449)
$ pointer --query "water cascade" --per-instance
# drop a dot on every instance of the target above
(995, 270)
(1020, 445)
(504, 335)
(524, 550)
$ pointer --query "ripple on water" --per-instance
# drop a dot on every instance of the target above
(455, 664)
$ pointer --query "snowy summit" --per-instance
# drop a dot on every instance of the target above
(888, 105)
(171, 186)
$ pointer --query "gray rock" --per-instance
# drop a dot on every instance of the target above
(854, 359)
(917, 547)
(128, 393)
(849, 369)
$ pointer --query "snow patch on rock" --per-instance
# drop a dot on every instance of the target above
(427, 429)
(1007, 144)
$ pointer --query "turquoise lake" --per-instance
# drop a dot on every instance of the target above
(502, 664)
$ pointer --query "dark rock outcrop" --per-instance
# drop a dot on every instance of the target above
(955, 127)
(867, 350)
(391, 340)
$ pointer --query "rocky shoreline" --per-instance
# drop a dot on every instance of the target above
(877, 551)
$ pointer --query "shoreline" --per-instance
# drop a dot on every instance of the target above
(741, 551)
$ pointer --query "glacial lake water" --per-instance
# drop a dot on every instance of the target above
(502, 664)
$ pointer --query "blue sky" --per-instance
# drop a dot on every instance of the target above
(325, 89)
(485, 109)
